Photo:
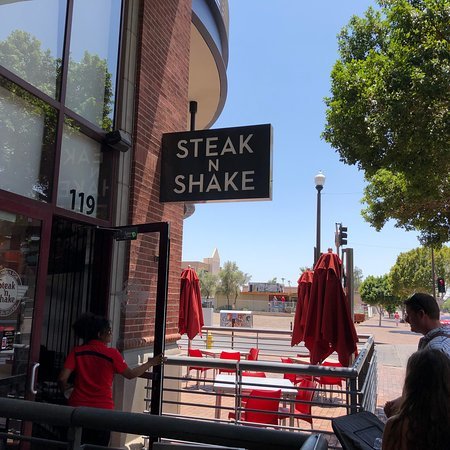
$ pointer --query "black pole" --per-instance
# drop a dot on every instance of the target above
(160, 316)
(433, 273)
(193, 111)
(319, 188)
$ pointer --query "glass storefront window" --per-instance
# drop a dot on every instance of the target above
(27, 143)
(84, 184)
(31, 41)
(92, 72)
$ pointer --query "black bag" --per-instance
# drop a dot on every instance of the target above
(358, 431)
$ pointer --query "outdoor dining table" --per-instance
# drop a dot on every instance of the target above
(227, 384)
(215, 352)
(304, 359)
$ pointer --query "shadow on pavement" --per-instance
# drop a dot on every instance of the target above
(405, 332)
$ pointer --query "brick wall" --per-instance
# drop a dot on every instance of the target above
(161, 107)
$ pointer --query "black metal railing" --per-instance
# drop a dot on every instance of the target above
(196, 396)
(158, 427)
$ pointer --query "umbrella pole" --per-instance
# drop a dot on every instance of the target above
(187, 368)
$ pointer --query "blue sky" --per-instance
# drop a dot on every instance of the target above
(281, 55)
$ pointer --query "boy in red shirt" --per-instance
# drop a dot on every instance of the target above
(94, 365)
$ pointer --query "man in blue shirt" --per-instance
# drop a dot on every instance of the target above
(422, 314)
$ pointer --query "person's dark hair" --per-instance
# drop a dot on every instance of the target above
(426, 401)
(420, 301)
(89, 326)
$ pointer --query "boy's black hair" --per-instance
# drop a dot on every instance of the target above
(89, 326)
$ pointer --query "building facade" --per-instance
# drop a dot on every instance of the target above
(211, 265)
(86, 91)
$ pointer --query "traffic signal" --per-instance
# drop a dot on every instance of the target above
(441, 285)
(342, 235)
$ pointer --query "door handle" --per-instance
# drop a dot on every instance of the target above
(33, 378)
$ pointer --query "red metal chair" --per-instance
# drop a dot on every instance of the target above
(196, 353)
(253, 354)
(236, 356)
(261, 407)
(303, 403)
(292, 377)
(254, 374)
(251, 374)
(327, 380)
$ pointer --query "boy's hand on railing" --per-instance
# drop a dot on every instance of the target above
(157, 360)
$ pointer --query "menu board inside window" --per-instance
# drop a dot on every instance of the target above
(84, 184)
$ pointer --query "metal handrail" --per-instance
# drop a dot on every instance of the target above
(243, 338)
(157, 426)
(201, 401)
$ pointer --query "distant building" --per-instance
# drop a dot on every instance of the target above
(211, 264)
(265, 287)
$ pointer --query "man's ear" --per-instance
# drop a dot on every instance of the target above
(421, 313)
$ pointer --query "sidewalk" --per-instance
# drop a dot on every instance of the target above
(394, 345)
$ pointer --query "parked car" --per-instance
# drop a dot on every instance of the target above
(445, 320)
(358, 318)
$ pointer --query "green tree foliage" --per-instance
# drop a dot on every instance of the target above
(357, 278)
(231, 279)
(208, 283)
(389, 112)
(446, 305)
(377, 292)
(22, 54)
(412, 271)
(89, 86)
(22, 117)
(89, 81)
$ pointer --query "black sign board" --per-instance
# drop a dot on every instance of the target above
(217, 165)
(126, 234)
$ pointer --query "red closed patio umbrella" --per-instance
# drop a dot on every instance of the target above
(303, 292)
(191, 314)
(329, 325)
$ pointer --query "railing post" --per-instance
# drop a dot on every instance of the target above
(74, 438)
(353, 407)
(237, 397)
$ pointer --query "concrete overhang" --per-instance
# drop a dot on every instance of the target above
(207, 68)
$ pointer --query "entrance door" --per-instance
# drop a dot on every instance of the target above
(77, 282)
(35, 323)
(20, 243)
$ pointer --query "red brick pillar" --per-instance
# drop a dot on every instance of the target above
(161, 107)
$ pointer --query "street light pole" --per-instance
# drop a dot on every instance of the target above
(319, 181)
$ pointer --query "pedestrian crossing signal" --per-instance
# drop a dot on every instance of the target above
(342, 235)
(441, 285)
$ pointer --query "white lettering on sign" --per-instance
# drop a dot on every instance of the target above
(230, 182)
(213, 165)
(11, 292)
(209, 146)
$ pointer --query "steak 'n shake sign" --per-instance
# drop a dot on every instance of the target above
(11, 292)
(217, 165)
